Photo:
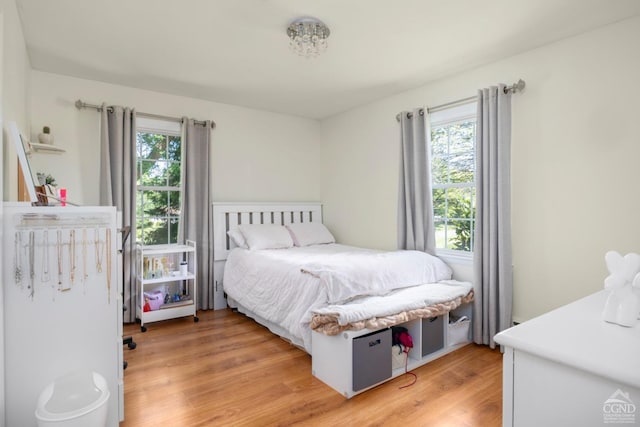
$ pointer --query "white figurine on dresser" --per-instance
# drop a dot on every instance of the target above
(623, 305)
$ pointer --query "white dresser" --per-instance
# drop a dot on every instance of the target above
(570, 368)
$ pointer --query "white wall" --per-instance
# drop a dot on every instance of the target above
(2, 374)
(14, 66)
(575, 154)
(257, 155)
(15, 91)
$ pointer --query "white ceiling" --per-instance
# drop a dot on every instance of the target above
(236, 51)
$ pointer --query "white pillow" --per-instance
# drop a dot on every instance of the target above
(265, 236)
(310, 233)
(237, 238)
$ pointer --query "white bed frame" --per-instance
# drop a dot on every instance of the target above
(227, 216)
(333, 357)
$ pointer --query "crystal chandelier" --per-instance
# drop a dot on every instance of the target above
(308, 37)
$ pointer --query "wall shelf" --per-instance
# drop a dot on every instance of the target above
(44, 148)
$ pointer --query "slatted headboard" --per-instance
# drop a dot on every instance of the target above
(227, 216)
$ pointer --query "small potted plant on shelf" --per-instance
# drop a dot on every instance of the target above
(47, 184)
(45, 137)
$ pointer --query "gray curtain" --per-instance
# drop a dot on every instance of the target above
(195, 204)
(492, 249)
(118, 186)
(415, 205)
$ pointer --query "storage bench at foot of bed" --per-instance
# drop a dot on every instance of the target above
(355, 361)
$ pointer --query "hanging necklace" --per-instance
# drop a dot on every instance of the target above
(84, 256)
(108, 250)
(32, 248)
(59, 253)
(98, 246)
(18, 258)
(45, 257)
(72, 256)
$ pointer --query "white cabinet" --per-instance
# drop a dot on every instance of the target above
(166, 282)
(355, 361)
(570, 368)
(62, 307)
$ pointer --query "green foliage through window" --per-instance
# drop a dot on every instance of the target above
(158, 187)
(453, 182)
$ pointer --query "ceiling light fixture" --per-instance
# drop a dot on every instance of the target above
(308, 37)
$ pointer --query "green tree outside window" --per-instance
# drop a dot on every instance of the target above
(158, 188)
(453, 182)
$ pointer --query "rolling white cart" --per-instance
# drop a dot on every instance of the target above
(166, 282)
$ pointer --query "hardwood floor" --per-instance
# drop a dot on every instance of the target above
(228, 370)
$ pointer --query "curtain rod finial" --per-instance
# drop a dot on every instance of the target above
(79, 104)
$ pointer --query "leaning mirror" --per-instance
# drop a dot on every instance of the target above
(19, 144)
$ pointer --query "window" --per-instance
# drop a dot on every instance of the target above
(158, 165)
(453, 177)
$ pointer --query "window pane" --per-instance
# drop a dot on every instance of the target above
(441, 237)
(459, 235)
(439, 141)
(158, 166)
(173, 174)
(154, 203)
(174, 148)
(472, 191)
(139, 202)
(173, 230)
(139, 231)
(174, 203)
(439, 150)
(450, 232)
(151, 146)
(453, 172)
(462, 167)
(461, 137)
(461, 147)
(458, 203)
(151, 173)
(439, 203)
(156, 231)
(144, 145)
(439, 170)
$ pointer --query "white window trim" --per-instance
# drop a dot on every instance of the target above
(452, 256)
(157, 126)
(149, 125)
(447, 117)
(454, 114)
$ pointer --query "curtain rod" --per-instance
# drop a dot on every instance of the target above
(80, 105)
(518, 86)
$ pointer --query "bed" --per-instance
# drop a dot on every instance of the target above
(283, 268)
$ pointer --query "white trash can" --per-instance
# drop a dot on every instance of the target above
(78, 399)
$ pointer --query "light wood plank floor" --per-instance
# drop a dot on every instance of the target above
(228, 370)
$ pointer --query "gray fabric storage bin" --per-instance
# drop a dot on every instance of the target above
(432, 334)
(371, 359)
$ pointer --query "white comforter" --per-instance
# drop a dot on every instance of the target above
(271, 284)
(352, 274)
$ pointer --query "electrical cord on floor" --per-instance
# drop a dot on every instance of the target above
(406, 363)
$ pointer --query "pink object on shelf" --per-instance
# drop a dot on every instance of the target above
(62, 194)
